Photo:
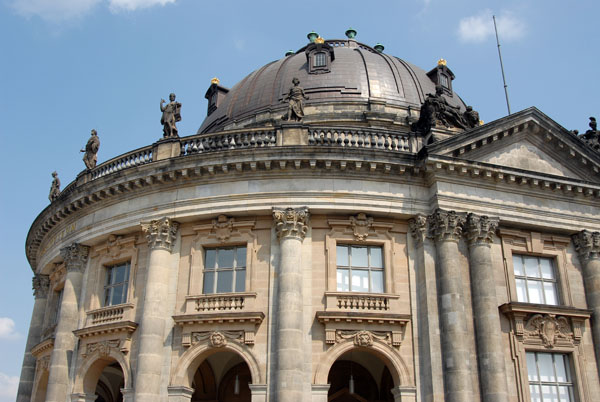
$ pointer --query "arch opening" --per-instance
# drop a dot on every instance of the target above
(222, 376)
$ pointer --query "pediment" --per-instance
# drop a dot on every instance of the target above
(528, 141)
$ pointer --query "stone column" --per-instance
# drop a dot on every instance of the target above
(446, 227)
(587, 244)
(75, 258)
(490, 351)
(291, 226)
(41, 284)
(161, 235)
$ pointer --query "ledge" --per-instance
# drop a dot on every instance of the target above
(122, 326)
(219, 317)
(362, 318)
(42, 347)
(513, 308)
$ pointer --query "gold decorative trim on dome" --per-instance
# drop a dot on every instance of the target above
(319, 40)
(441, 62)
(215, 81)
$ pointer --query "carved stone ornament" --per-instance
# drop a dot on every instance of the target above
(446, 225)
(223, 227)
(103, 348)
(291, 222)
(43, 363)
(161, 233)
(363, 338)
(549, 328)
(217, 339)
(587, 244)
(361, 224)
(418, 228)
(40, 284)
(480, 229)
(75, 256)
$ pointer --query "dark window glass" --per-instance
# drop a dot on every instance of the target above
(117, 282)
(320, 59)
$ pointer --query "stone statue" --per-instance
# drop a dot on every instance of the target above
(471, 117)
(436, 110)
(54, 188)
(171, 114)
(295, 99)
(91, 149)
(592, 136)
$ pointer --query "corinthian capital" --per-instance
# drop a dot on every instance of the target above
(161, 233)
(418, 228)
(446, 225)
(291, 222)
(480, 229)
(40, 284)
(75, 256)
(587, 244)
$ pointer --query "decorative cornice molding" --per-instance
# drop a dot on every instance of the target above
(291, 222)
(446, 225)
(161, 233)
(75, 257)
(480, 229)
(40, 285)
(587, 244)
(361, 224)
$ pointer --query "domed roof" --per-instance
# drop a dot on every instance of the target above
(357, 73)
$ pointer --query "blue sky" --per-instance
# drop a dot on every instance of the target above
(72, 65)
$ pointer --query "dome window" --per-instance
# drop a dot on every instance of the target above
(441, 75)
(215, 95)
(319, 56)
(320, 59)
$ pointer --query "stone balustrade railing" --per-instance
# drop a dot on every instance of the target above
(360, 138)
(229, 302)
(228, 140)
(365, 302)
(106, 315)
(138, 157)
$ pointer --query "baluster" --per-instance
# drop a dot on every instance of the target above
(360, 140)
(311, 139)
(386, 144)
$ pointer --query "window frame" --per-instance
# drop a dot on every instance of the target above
(525, 277)
(218, 269)
(369, 268)
(569, 372)
(110, 287)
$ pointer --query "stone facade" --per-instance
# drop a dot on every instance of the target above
(290, 263)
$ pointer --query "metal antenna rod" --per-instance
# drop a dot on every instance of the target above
(501, 65)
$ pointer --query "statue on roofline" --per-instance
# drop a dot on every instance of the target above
(295, 99)
(171, 114)
(91, 149)
(54, 188)
(592, 136)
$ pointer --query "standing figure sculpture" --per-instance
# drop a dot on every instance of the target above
(54, 188)
(91, 149)
(295, 99)
(171, 114)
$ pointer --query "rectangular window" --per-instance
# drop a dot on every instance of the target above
(535, 279)
(115, 287)
(225, 270)
(320, 59)
(360, 269)
(444, 81)
(549, 377)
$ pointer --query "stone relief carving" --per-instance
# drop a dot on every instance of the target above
(436, 111)
(587, 244)
(592, 136)
(366, 338)
(223, 227)
(480, 229)
(291, 222)
(161, 233)
(549, 328)
(103, 348)
(217, 339)
(91, 150)
(361, 224)
(446, 225)
(54, 188)
(75, 256)
(40, 285)
(418, 227)
(43, 363)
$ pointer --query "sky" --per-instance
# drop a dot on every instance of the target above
(67, 66)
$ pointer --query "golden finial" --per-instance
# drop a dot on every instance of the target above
(441, 62)
(215, 81)
(481, 122)
(319, 40)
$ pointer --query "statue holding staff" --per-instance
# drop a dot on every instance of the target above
(91, 149)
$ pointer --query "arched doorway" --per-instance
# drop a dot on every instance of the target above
(359, 376)
(110, 383)
(222, 376)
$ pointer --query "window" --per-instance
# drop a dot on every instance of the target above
(58, 297)
(359, 268)
(115, 287)
(320, 59)
(444, 80)
(549, 377)
(225, 270)
(535, 279)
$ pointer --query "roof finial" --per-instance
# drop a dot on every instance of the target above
(319, 40)
(442, 62)
(379, 47)
(289, 53)
(215, 80)
(351, 33)
(312, 35)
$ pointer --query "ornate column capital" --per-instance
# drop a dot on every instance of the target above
(446, 225)
(418, 228)
(40, 284)
(480, 229)
(75, 256)
(291, 222)
(161, 233)
(587, 244)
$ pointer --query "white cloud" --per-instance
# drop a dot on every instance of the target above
(62, 10)
(479, 28)
(7, 328)
(8, 387)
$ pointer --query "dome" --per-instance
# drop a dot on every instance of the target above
(355, 74)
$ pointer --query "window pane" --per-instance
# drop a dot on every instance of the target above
(342, 255)
(117, 295)
(320, 59)
(535, 291)
(531, 266)
(240, 280)
(534, 390)
(119, 273)
(546, 367)
(208, 285)
(107, 297)
(359, 257)
(241, 257)
(547, 269)
(342, 280)
(521, 290)
(360, 280)
(210, 259)
(225, 258)
(564, 394)
(109, 277)
(549, 393)
(518, 265)
(376, 257)
(225, 280)
(377, 281)
(550, 293)
(559, 364)
(532, 374)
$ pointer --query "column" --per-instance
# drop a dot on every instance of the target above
(587, 244)
(41, 284)
(490, 353)
(446, 227)
(75, 258)
(291, 227)
(161, 236)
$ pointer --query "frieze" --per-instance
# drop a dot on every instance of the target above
(365, 338)
(103, 348)
(216, 339)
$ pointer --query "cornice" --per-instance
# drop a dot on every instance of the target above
(122, 326)
(255, 317)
